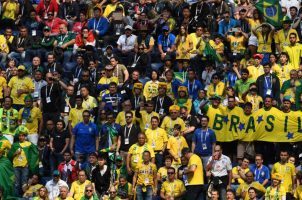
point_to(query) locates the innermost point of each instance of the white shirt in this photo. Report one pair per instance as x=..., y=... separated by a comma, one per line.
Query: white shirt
x=54, y=188
x=127, y=43
x=221, y=167
x=289, y=3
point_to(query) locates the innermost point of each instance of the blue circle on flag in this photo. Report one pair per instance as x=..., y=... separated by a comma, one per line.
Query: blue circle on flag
x=271, y=11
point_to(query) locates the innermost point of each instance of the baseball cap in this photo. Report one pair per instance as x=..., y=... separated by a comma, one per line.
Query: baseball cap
x=119, y=158
x=165, y=28
x=128, y=27
x=56, y=173
x=46, y=28
x=21, y=67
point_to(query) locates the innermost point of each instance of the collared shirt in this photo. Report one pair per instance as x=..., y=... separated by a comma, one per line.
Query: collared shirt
x=54, y=188
x=127, y=43
x=221, y=167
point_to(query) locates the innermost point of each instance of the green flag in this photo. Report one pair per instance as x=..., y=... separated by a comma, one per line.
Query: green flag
x=211, y=54
x=31, y=153
x=7, y=176
x=181, y=76
x=271, y=10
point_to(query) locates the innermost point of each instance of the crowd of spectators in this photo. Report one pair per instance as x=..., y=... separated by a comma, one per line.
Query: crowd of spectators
x=112, y=99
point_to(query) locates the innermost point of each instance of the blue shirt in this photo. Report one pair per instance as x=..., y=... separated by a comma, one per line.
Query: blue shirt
x=193, y=88
x=101, y=25
x=224, y=26
x=85, y=137
x=113, y=102
x=166, y=42
x=261, y=174
x=204, y=140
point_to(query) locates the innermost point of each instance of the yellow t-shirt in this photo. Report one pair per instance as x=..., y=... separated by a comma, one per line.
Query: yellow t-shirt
x=2, y=82
x=156, y=138
x=218, y=89
x=183, y=46
x=89, y=103
x=68, y=198
x=78, y=189
x=111, y=8
x=195, y=178
x=174, y=188
x=264, y=44
x=4, y=46
x=175, y=145
x=145, y=173
x=255, y=72
x=145, y=121
x=253, y=23
x=163, y=173
x=17, y=83
x=283, y=73
x=273, y=193
x=9, y=12
x=32, y=122
x=255, y=101
x=21, y=160
x=121, y=118
x=136, y=152
x=75, y=116
x=168, y=124
x=244, y=187
x=150, y=90
x=235, y=171
x=219, y=48
x=32, y=189
x=287, y=171
x=298, y=192
x=237, y=44
x=282, y=39
x=294, y=53
x=195, y=40
x=105, y=80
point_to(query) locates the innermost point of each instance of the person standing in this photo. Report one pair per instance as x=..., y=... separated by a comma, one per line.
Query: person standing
x=144, y=179
x=204, y=141
x=219, y=168
x=194, y=172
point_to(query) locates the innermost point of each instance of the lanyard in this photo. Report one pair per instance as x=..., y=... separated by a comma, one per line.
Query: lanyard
x=20, y=41
x=63, y=38
x=126, y=134
x=267, y=84
x=49, y=90
x=136, y=102
x=203, y=139
x=161, y=101
x=193, y=86
x=95, y=26
x=54, y=67
x=79, y=72
x=136, y=60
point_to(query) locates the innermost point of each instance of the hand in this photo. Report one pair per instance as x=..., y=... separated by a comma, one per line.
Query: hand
x=71, y=152
x=63, y=46
x=129, y=170
x=30, y=181
x=19, y=92
x=228, y=187
x=133, y=190
x=162, y=55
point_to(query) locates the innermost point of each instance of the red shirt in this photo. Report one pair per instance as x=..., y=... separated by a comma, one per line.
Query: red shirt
x=80, y=42
x=42, y=9
x=68, y=172
x=55, y=25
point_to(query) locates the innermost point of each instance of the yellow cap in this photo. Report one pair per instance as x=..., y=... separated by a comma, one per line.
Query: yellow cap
x=174, y=107
x=21, y=67
x=162, y=85
x=277, y=176
x=138, y=86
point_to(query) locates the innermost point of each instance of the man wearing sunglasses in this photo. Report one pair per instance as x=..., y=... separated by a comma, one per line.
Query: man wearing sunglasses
x=172, y=187
x=89, y=194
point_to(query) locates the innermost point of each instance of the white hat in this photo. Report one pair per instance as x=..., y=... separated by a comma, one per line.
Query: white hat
x=128, y=27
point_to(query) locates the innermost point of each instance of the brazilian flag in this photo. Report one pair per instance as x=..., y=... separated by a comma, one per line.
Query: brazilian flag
x=7, y=176
x=271, y=10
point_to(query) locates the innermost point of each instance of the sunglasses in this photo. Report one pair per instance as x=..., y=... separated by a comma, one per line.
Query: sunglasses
x=128, y=116
x=89, y=190
x=50, y=14
x=112, y=192
x=141, y=48
x=86, y=116
x=170, y=173
x=46, y=30
x=85, y=75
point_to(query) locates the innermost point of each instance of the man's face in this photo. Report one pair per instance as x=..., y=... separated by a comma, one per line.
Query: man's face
x=218, y=150
x=80, y=60
x=293, y=75
x=214, y=195
x=89, y=192
x=128, y=32
x=284, y=156
x=171, y=174
x=67, y=157
x=258, y=161
x=149, y=108
x=8, y=33
x=28, y=103
x=23, y=32
x=266, y=69
x=293, y=12
x=113, y=62
x=249, y=177
x=146, y=157
x=84, y=92
x=244, y=76
x=62, y=29
x=141, y=139
x=191, y=75
x=112, y=89
x=183, y=113
x=110, y=119
x=252, y=194
x=231, y=103
x=36, y=61
x=226, y=16
x=63, y=192
x=101, y=162
x=242, y=15
x=21, y=73
x=50, y=59
x=97, y=13
x=247, y=110
x=129, y=118
x=127, y=106
x=286, y=25
x=21, y=137
x=283, y=59
x=268, y=102
x=286, y=105
x=38, y=76
x=245, y=163
x=161, y=91
x=70, y=90
x=85, y=76
x=82, y=176
x=154, y=123
x=174, y=114
x=230, y=196
x=204, y=122
x=292, y=39
x=135, y=76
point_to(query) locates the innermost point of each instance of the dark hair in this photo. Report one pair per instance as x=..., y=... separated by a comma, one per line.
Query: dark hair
x=248, y=104
x=206, y=117
x=168, y=157
x=185, y=151
x=177, y=126
x=293, y=7
x=129, y=112
x=252, y=188
x=245, y=71
x=112, y=84
x=155, y=117
x=293, y=34
x=62, y=121
x=170, y=168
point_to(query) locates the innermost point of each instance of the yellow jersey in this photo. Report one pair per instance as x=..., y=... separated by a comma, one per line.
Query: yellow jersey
x=294, y=53
x=111, y=8
x=175, y=188
x=168, y=124
x=78, y=189
x=195, y=178
x=3, y=83
x=31, y=120
x=121, y=118
x=264, y=42
x=255, y=72
x=145, y=173
x=175, y=145
x=237, y=44
x=16, y=84
x=298, y=192
x=282, y=72
x=255, y=101
x=282, y=37
x=75, y=116
x=244, y=187
x=287, y=171
x=219, y=48
x=275, y=193
x=89, y=103
x=150, y=90
x=136, y=153
x=156, y=138
x=235, y=171
x=20, y=160
x=145, y=120
x=195, y=40
x=183, y=45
